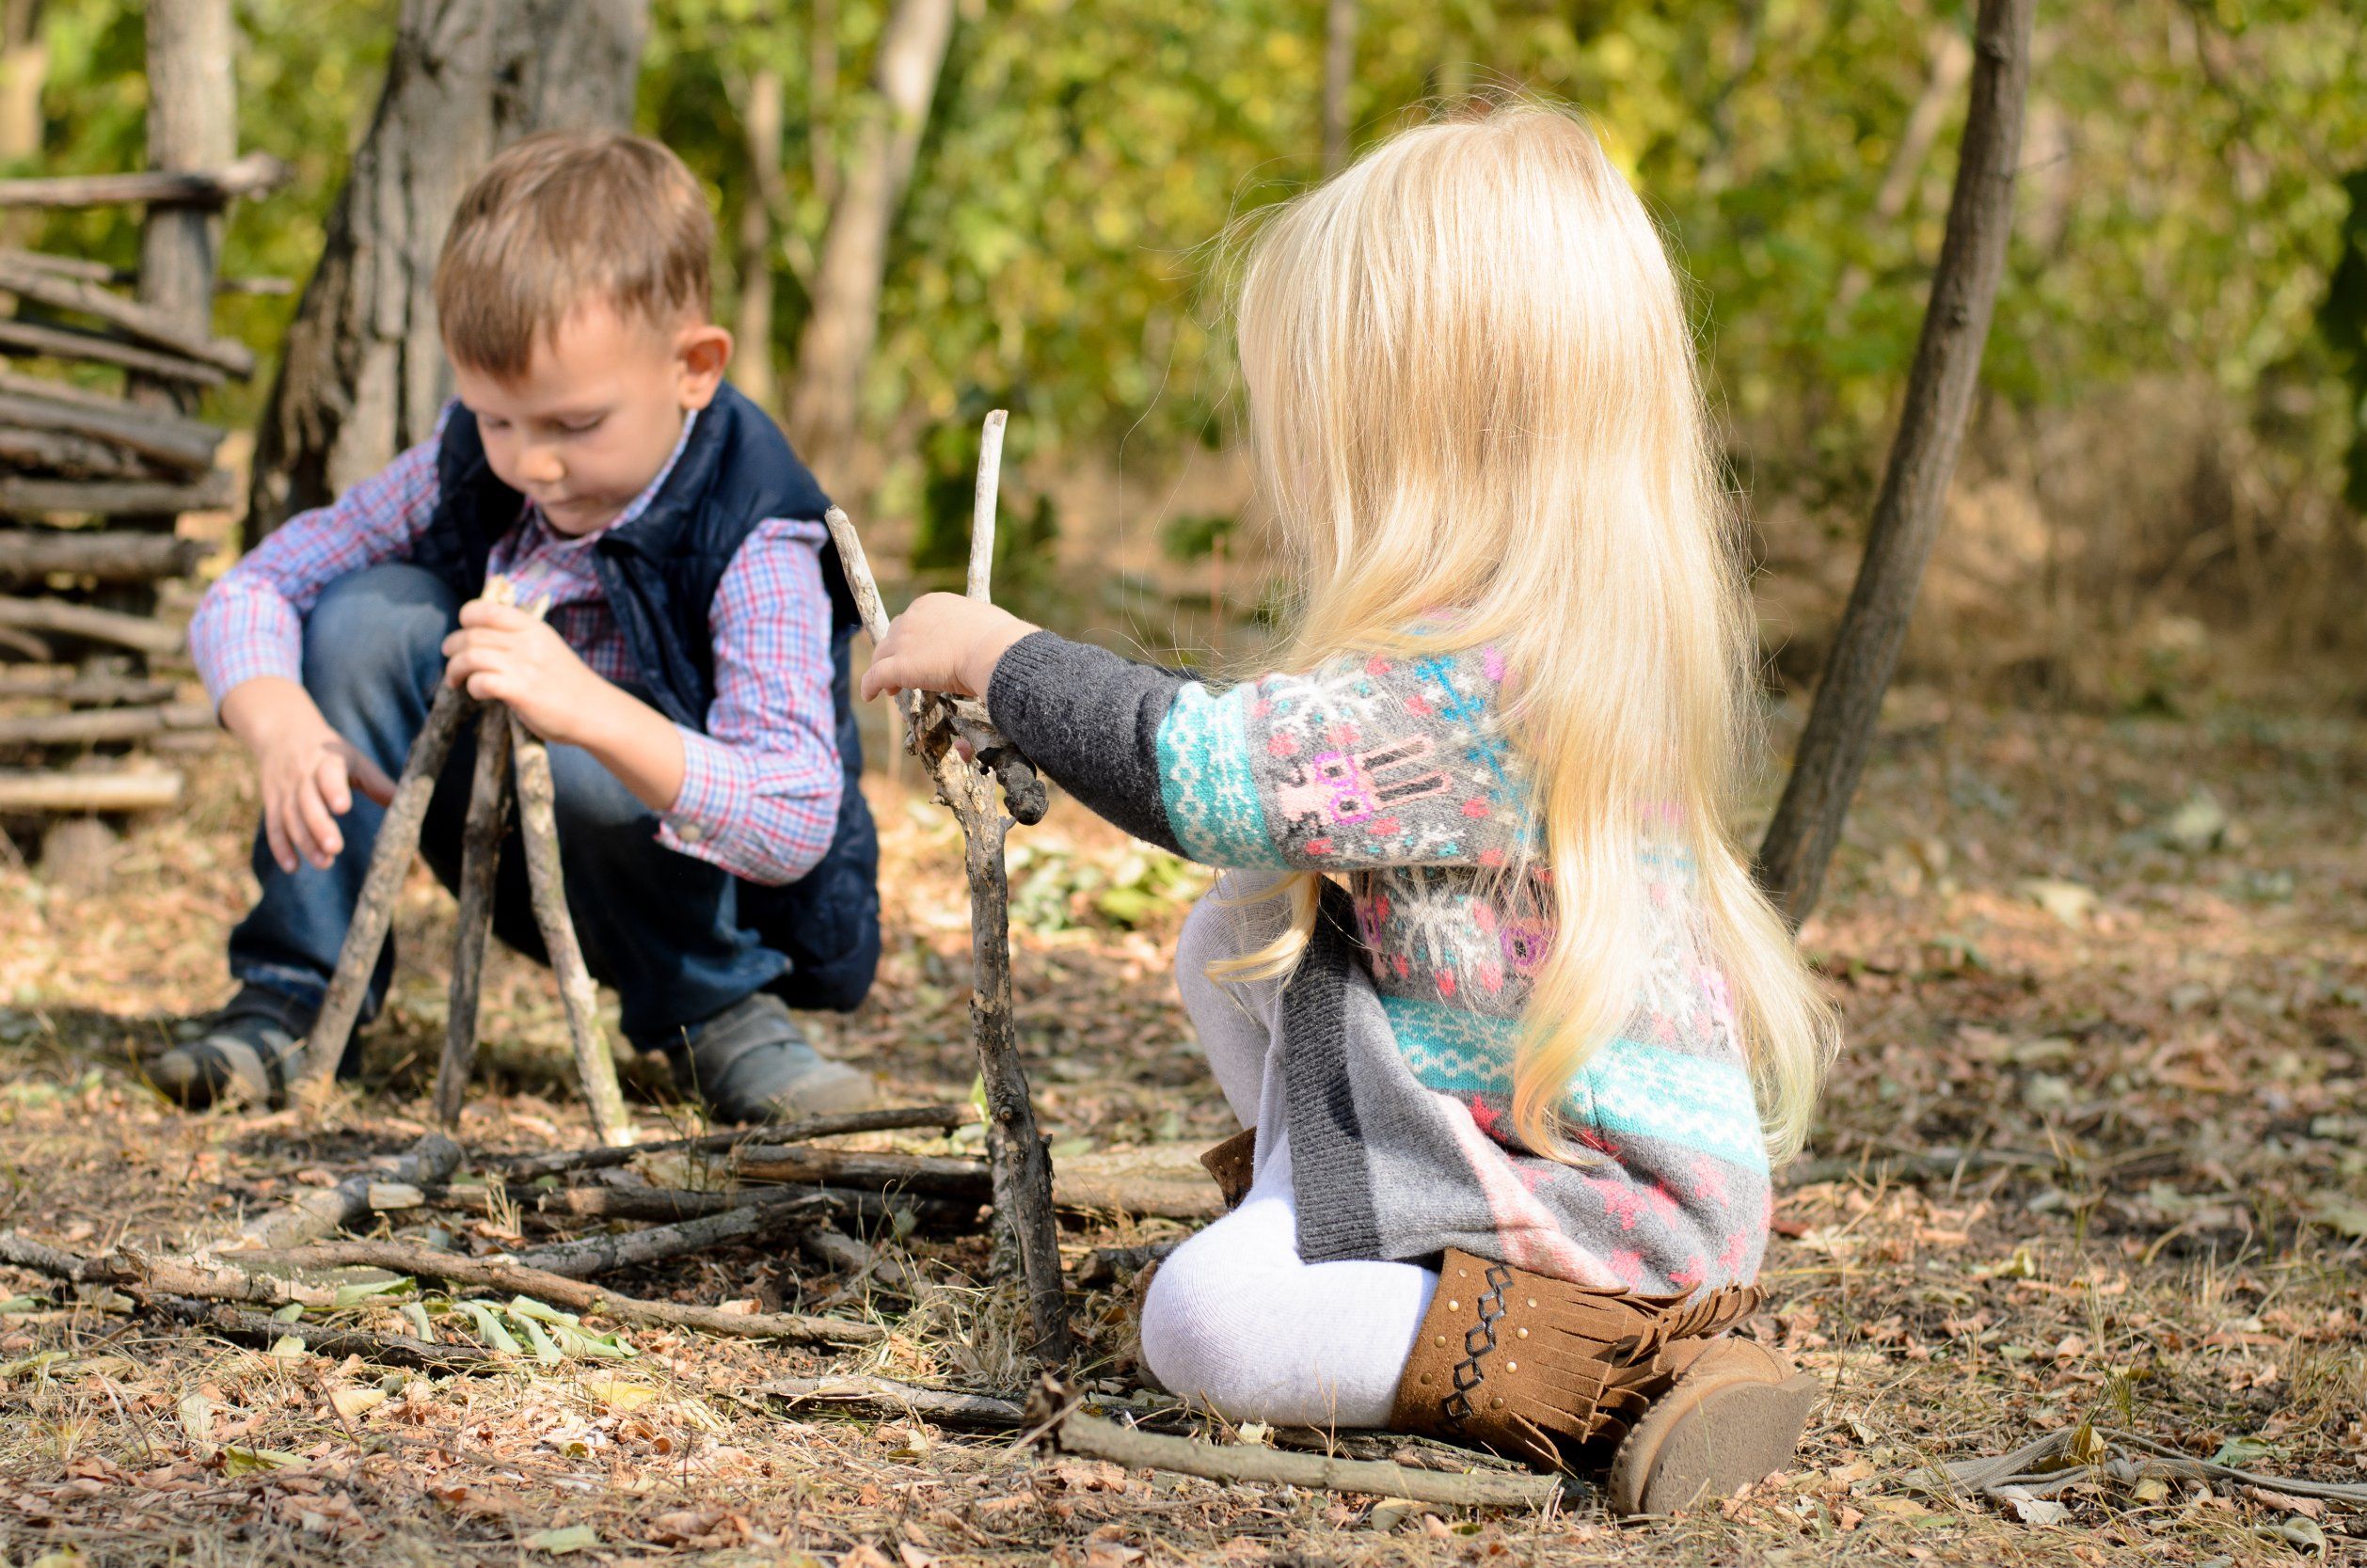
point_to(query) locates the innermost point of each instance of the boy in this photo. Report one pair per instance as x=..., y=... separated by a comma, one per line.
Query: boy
x=691, y=676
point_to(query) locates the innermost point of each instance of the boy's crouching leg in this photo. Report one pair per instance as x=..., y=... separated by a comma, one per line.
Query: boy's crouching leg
x=665, y=930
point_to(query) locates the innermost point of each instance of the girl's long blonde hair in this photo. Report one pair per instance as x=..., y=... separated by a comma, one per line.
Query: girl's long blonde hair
x=1472, y=386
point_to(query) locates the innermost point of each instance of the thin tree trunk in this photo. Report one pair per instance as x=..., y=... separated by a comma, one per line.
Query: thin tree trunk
x=192, y=124
x=362, y=375
x=835, y=346
x=1338, y=76
x=760, y=209
x=1840, y=731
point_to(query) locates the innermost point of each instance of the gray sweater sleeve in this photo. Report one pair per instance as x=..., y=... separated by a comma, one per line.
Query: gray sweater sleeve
x=1090, y=721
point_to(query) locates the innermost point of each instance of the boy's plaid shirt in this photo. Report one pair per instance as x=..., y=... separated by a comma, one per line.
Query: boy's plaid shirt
x=760, y=788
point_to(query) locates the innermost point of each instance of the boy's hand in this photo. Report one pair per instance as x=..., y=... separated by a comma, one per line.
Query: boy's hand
x=942, y=643
x=501, y=653
x=308, y=770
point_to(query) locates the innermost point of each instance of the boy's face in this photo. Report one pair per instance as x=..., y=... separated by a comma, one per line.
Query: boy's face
x=597, y=412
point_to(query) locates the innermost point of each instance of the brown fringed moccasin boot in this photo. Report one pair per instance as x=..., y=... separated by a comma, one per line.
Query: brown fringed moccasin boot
x=1572, y=1378
x=1230, y=1165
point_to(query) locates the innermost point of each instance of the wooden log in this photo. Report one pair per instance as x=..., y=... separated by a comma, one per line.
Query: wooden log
x=592, y=1256
x=406, y=1258
x=65, y=684
x=95, y=625
x=185, y=432
x=389, y=860
x=666, y=1205
x=1022, y=1167
x=323, y=1212
x=1255, y=1465
x=529, y=1168
x=538, y=822
x=31, y=339
x=938, y=1174
x=110, y=555
x=73, y=456
x=480, y=859
x=149, y=789
x=99, y=272
x=182, y=444
x=94, y=725
x=34, y=498
x=147, y=324
x=252, y=175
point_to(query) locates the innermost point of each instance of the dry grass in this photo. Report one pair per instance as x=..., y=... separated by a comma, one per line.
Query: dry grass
x=2153, y=1035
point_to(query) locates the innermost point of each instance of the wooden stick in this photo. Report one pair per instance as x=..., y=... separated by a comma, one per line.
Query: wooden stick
x=877, y=1396
x=145, y=789
x=591, y=1256
x=99, y=272
x=1079, y=1434
x=251, y=175
x=100, y=724
x=326, y=1212
x=538, y=820
x=983, y=505
x=65, y=683
x=373, y=910
x=941, y=1175
x=109, y=555
x=528, y=1167
x=147, y=324
x=480, y=859
x=34, y=498
x=39, y=339
x=95, y=625
x=60, y=451
x=406, y=1258
x=391, y=1349
x=1019, y=1166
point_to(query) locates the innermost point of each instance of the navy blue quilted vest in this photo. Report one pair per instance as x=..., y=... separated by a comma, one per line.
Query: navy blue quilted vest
x=659, y=573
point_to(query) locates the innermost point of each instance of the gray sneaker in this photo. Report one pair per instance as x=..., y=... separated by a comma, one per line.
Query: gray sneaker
x=750, y=1062
x=247, y=1052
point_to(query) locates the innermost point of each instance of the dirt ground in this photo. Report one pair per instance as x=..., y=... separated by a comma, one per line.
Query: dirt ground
x=2096, y=1155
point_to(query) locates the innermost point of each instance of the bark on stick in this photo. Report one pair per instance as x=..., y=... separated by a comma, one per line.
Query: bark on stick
x=1800, y=840
x=374, y=912
x=538, y=820
x=480, y=859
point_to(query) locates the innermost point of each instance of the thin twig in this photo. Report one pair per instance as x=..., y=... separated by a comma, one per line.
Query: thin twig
x=879, y=1398
x=528, y=1167
x=592, y=1256
x=324, y=1212
x=983, y=505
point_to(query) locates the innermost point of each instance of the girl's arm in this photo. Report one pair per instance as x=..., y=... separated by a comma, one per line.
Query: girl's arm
x=1360, y=762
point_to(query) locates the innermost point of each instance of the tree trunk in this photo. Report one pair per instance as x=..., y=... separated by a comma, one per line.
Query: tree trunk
x=23, y=70
x=363, y=373
x=192, y=124
x=835, y=346
x=760, y=209
x=1338, y=76
x=1840, y=731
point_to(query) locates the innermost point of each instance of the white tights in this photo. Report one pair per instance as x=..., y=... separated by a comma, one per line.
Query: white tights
x=1236, y=1320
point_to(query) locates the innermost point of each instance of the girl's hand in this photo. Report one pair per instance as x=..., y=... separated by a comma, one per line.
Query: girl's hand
x=500, y=653
x=942, y=643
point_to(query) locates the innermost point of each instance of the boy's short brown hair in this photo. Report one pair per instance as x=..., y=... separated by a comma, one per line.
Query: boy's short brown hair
x=565, y=217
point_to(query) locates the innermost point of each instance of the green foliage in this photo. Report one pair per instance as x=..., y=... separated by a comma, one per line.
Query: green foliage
x=2343, y=319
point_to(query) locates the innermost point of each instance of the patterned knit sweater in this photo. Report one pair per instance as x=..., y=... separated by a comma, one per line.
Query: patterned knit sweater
x=1395, y=775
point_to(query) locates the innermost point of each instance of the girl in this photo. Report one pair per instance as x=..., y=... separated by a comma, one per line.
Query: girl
x=1514, y=1031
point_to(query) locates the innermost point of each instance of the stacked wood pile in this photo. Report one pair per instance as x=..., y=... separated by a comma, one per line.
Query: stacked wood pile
x=100, y=453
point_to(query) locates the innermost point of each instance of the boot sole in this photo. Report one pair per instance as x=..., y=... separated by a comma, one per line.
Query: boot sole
x=1705, y=1440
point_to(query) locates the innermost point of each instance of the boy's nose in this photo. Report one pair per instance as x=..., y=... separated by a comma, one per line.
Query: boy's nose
x=541, y=466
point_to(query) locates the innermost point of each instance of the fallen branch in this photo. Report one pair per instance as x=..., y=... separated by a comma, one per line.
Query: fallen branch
x=1073, y=1432
x=528, y=1167
x=392, y=1350
x=879, y=1397
x=592, y=1256
x=411, y=1260
x=2036, y=1469
x=324, y=1212
x=664, y=1205
x=1108, y=1265
x=940, y=1175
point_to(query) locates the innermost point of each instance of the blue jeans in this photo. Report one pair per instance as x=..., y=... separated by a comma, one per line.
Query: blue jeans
x=664, y=929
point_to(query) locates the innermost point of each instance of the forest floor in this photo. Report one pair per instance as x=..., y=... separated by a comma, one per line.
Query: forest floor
x=2096, y=1153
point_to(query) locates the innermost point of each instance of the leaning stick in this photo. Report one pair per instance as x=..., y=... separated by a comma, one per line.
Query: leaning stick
x=537, y=814
x=1021, y=1168
x=374, y=912
x=480, y=859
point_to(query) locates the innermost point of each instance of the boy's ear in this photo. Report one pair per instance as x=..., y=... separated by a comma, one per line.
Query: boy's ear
x=701, y=354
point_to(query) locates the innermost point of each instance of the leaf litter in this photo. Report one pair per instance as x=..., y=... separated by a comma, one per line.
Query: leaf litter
x=2093, y=1159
